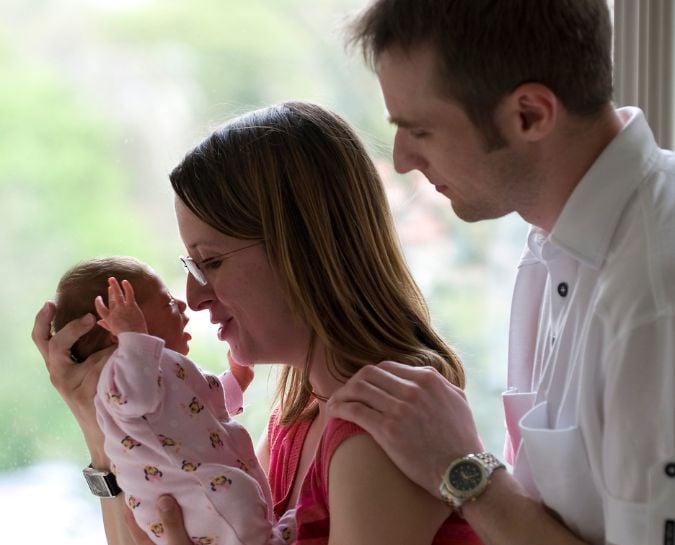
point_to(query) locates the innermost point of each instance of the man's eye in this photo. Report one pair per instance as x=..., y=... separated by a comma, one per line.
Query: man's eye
x=416, y=133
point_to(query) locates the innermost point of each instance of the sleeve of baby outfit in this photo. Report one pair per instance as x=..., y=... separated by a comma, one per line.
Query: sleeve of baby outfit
x=234, y=397
x=131, y=381
x=638, y=451
x=285, y=531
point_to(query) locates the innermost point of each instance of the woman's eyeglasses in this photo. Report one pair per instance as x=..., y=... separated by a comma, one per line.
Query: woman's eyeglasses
x=195, y=269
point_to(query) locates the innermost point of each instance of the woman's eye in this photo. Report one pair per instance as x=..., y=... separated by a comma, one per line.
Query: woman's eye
x=211, y=264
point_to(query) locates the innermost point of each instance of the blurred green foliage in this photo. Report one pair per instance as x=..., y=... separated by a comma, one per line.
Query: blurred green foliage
x=99, y=100
x=61, y=191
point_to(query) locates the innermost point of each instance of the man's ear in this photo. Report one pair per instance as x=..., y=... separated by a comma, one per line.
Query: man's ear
x=529, y=113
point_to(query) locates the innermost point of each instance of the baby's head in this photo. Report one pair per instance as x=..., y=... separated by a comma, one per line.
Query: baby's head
x=80, y=285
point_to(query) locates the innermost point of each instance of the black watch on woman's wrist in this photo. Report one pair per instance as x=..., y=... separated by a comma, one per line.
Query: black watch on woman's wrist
x=101, y=483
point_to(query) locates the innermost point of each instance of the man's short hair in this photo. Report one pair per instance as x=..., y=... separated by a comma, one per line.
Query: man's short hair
x=487, y=48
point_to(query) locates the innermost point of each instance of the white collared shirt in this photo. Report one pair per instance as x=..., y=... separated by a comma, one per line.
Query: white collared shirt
x=590, y=409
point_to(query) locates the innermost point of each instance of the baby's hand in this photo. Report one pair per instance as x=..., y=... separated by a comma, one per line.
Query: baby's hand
x=122, y=313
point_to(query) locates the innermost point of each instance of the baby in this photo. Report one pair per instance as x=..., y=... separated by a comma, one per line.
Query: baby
x=166, y=422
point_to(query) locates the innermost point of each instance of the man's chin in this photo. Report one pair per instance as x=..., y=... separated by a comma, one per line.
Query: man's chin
x=472, y=214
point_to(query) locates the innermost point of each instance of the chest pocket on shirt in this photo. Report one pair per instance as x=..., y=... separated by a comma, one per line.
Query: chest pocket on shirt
x=651, y=522
x=562, y=473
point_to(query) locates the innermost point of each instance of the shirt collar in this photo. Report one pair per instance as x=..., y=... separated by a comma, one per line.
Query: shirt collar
x=590, y=216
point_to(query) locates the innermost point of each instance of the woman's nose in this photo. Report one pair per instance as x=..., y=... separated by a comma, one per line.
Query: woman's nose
x=198, y=296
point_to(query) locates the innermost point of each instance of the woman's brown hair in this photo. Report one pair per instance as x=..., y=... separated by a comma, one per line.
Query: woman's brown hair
x=297, y=177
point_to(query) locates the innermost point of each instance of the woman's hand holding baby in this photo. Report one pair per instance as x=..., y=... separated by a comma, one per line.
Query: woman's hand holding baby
x=75, y=382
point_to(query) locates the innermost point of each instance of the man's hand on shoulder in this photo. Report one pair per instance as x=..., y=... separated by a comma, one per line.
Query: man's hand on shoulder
x=418, y=418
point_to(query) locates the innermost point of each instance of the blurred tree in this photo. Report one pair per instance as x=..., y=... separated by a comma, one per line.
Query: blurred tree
x=99, y=99
x=62, y=190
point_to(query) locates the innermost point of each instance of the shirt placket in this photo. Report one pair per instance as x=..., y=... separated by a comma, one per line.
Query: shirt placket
x=562, y=276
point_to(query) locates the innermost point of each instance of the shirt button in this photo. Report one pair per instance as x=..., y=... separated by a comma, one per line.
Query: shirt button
x=563, y=288
x=670, y=469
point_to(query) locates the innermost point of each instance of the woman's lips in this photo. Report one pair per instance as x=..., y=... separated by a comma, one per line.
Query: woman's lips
x=222, y=330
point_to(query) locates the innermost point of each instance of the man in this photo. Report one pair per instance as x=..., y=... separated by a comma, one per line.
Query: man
x=505, y=106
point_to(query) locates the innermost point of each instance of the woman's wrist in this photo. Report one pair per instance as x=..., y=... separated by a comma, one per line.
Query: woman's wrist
x=93, y=437
x=94, y=441
x=99, y=460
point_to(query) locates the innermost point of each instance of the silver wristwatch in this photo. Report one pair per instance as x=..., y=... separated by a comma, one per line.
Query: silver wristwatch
x=101, y=483
x=467, y=478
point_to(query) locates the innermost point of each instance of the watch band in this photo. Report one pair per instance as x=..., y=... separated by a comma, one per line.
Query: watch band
x=490, y=461
x=467, y=478
x=101, y=483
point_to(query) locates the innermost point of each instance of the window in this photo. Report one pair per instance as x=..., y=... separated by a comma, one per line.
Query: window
x=101, y=98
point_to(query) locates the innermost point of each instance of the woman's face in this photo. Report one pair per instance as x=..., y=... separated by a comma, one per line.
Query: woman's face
x=243, y=296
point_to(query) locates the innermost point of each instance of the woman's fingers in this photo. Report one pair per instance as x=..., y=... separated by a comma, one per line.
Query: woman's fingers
x=138, y=535
x=172, y=519
x=56, y=350
x=42, y=328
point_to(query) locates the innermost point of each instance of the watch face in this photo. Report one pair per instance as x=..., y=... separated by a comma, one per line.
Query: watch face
x=101, y=484
x=97, y=484
x=465, y=476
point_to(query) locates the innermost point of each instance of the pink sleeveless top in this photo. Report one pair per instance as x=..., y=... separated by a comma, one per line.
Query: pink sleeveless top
x=312, y=515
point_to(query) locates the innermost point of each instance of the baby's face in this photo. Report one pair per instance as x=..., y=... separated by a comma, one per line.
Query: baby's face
x=165, y=316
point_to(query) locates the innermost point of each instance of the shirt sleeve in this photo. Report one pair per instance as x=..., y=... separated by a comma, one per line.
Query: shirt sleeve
x=130, y=383
x=638, y=451
x=234, y=397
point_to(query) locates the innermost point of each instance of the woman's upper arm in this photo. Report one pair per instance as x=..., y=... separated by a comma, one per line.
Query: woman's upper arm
x=372, y=502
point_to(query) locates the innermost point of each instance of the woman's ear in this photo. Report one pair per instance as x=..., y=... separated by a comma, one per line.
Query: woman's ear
x=529, y=113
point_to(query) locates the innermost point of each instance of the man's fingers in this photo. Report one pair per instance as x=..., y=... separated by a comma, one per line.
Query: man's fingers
x=406, y=372
x=363, y=415
x=367, y=389
x=423, y=376
x=172, y=520
x=381, y=386
x=374, y=399
x=42, y=328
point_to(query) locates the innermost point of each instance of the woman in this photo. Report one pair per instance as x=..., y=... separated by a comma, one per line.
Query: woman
x=312, y=278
